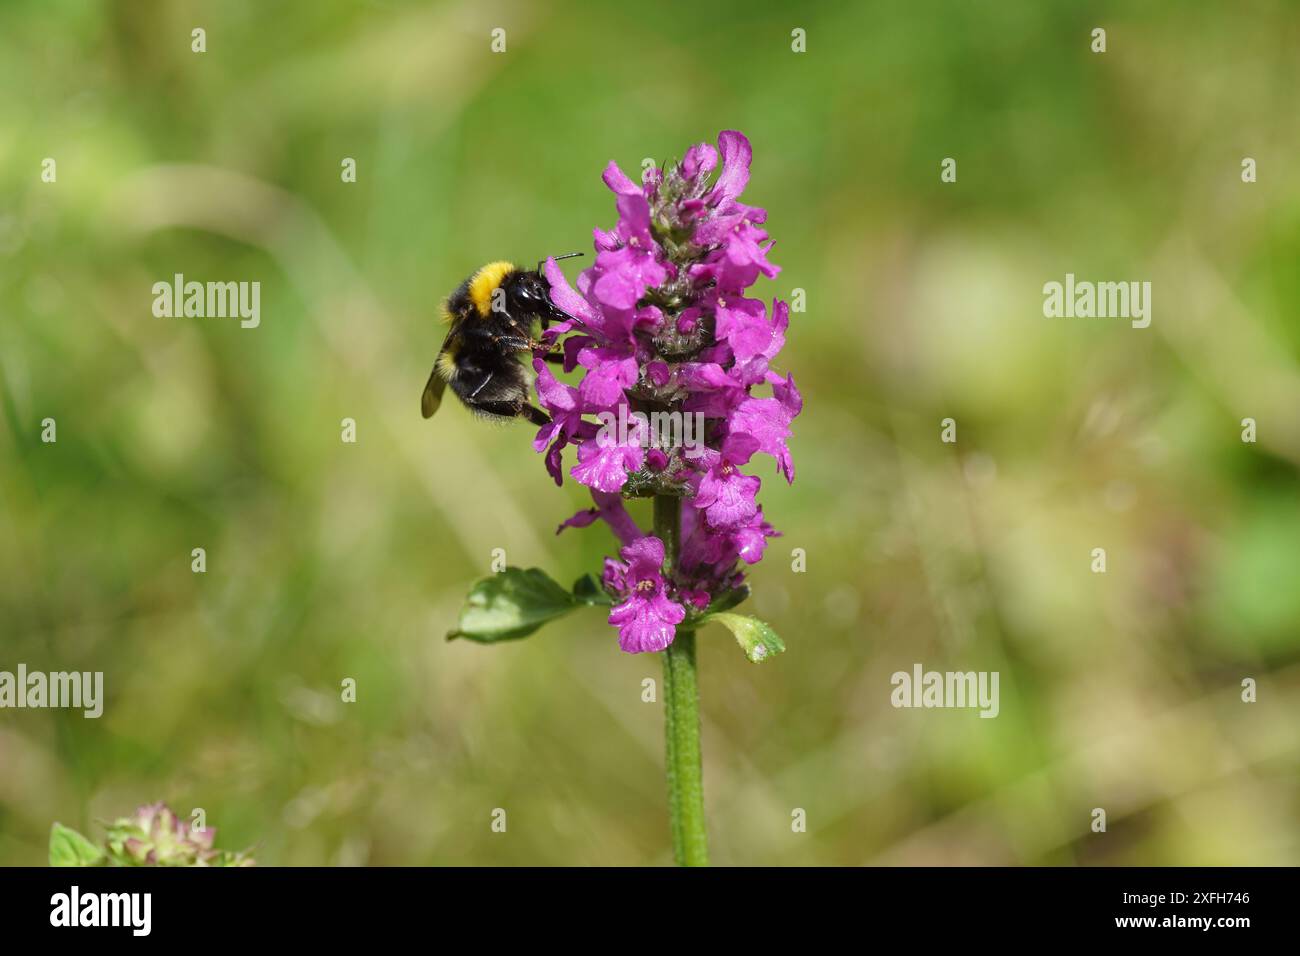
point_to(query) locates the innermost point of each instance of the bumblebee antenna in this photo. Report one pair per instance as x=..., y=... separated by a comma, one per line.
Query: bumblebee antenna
x=567, y=255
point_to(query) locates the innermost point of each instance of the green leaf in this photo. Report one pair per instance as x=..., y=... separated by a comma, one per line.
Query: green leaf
x=511, y=605
x=755, y=637
x=728, y=600
x=587, y=591
x=70, y=848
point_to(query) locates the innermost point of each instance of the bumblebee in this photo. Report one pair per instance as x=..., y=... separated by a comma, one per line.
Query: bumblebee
x=490, y=318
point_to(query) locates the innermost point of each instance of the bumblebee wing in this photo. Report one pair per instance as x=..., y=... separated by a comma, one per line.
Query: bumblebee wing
x=433, y=390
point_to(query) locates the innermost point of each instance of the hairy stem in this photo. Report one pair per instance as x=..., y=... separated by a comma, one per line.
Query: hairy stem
x=681, y=716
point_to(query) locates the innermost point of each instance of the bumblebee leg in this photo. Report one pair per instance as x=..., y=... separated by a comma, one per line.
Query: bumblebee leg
x=515, y=343
x=535, y=415
x=511, y=342
x=551, y=351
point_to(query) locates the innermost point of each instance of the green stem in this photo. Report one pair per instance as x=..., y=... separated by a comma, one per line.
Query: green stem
x=681, y=716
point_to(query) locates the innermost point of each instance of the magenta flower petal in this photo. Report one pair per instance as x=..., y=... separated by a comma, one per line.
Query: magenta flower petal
x=736, y=156
x=610, y=507
x=618, y=289
x=618, y=181
x=738, y=448
x=582, y=519
x=727, y=496
x=647, y=619
x=634, y=221
x=554, y=461
x=700, y=160
x=704, y=376
x=614, y=577
x=736, y=315
x=768, y=421
x=605, y=467
x=610, y=371
x=565, y=299
x=645, y=626
x=645, y=557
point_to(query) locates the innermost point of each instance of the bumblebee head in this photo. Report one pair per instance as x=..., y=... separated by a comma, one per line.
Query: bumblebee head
x=528, y=293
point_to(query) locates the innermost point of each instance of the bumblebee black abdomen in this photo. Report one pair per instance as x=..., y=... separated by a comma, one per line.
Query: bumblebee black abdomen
x=489, y=383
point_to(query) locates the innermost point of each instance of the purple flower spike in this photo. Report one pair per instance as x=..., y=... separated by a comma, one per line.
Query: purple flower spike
x=664, y=327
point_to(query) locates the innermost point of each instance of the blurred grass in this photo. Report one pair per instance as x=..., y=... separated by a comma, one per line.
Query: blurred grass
x=328, y=560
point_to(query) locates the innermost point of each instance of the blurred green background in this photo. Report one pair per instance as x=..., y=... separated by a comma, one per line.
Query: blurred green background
x=328, y=560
